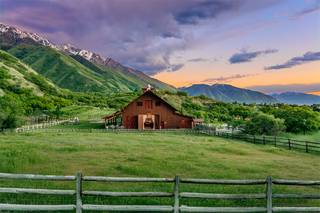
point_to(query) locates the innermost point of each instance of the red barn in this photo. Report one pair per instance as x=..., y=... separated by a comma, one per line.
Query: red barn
x=149, y=111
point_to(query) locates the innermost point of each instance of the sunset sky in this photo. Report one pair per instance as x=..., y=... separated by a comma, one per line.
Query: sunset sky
x=267, y=45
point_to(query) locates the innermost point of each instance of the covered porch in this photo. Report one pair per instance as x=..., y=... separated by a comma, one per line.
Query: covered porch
x=115, y=119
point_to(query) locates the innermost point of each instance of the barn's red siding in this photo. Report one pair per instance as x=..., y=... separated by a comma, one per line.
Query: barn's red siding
x=164, y=116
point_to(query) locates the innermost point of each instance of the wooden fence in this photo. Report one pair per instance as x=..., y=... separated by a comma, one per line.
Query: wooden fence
x=43, y=125
x=176, y=194
x=291, y=144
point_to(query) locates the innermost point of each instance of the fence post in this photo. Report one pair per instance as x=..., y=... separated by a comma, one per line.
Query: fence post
x=275, y=140
x=254, y=139
x=269, y=194
x=78, y=192
x=176, y=208
x=289, y=143
x=264, y=140
x=307, y=147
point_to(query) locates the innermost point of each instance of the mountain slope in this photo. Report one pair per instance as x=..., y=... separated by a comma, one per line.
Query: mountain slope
x=110, y=65
x=73, y=68
x=228, y=93
x=297, y=98
x=61, y=69
x=16, y=76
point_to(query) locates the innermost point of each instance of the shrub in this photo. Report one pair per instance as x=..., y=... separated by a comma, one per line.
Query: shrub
x=299, y=119
x=10, y=113
x=262, y=123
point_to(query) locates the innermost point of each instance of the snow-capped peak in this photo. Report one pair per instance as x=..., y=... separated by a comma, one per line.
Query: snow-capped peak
x=4, y=28
x=17, y=36
x=90, y=56
x=70, y=49
x=17, y=33
x=86, y=54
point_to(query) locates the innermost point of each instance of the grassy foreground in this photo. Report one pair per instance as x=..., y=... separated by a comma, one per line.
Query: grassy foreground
x=151, y=155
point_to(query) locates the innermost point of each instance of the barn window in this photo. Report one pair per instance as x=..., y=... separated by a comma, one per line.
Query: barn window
x=158, y=103
x=148, y=104
x=139, y=103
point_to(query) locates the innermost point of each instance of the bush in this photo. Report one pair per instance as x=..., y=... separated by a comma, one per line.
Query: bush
x=262, y=123
x=10, y=113
x=299, y=119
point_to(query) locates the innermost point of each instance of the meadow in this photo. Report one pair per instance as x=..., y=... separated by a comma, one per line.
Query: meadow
x=151, y=155
x=310, y=136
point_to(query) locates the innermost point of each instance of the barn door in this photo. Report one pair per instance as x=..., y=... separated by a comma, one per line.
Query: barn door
x=157, y=121
x=134, y=122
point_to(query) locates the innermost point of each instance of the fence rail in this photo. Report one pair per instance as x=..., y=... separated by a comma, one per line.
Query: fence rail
x=176, y=194
x=291, y=144
x=33, y=127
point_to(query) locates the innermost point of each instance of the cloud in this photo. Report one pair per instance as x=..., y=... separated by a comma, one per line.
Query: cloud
x=204, y=10
x=175, y=67
x=276, y=88
x=143, y=34
x=245, y=56
x=314, y=8
x=225, y=79
x=197, y=60
x=307, y=57
x=153, y=66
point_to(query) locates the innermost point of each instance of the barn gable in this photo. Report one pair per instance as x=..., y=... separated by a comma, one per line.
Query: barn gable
x=150, y=111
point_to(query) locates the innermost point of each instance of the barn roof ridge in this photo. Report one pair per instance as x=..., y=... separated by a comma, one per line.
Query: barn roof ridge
x=148, y=90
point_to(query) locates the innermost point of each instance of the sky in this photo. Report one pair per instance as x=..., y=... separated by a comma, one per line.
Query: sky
x=266, y=45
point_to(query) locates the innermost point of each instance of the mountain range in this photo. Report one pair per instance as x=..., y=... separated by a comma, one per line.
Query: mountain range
x=297, y=98
x=71, y=67
x=228, y=93
x=34, y=62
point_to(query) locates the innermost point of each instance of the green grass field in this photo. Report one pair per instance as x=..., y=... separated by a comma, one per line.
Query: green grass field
x=313, y=136
x=150, y=155
x=86, y=113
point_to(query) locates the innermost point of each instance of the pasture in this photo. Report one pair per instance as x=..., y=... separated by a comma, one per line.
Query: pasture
x=311, y=136
x=150, y=155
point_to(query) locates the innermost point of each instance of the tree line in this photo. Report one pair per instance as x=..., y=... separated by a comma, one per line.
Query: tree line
x=257, y=119
x=18, y=104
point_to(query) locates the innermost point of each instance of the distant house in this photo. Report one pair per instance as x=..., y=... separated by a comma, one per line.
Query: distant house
x=149, y=111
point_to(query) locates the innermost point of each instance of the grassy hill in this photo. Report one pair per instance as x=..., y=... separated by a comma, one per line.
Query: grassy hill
x=151, y=155
x=15, y=74
x=78, y=74
x=61, y=69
